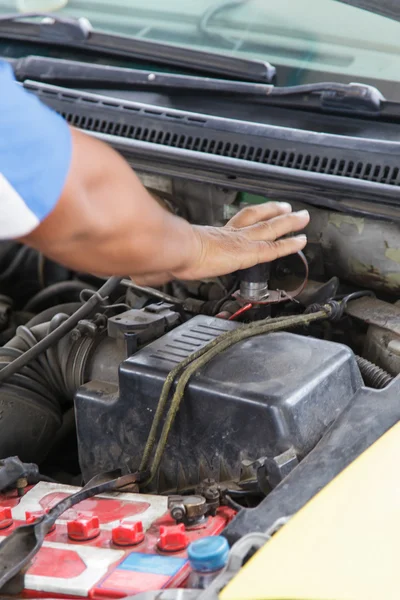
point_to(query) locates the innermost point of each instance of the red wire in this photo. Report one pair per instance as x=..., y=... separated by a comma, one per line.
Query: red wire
x=239, y=312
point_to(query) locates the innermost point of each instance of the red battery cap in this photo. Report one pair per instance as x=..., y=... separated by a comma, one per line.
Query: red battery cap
x=84, y=528
x=33, y=515
x=128, y=533
x=172, y=538
x=5, y=517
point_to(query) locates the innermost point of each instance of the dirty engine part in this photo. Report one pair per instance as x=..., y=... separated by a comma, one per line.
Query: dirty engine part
x=237, y=408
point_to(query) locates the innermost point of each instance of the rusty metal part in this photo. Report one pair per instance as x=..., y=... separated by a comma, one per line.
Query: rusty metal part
x=190, y=510
x=278, y=296
x=211, y=491
x=363, y=251
x=376, y=312
x=383, y=348
x=382, y=341
x=21, y=484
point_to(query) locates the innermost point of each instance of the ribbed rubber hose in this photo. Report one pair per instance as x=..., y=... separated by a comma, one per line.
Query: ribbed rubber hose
x=374, y=376
x=57, y=333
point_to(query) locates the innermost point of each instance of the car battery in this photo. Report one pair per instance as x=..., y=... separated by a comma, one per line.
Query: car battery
x=109, y=546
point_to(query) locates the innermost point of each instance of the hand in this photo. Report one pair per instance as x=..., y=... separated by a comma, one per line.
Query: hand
x=251, y=237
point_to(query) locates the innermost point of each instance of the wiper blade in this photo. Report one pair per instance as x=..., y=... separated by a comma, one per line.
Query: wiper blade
x=76, y=29
x=78, y=34
x=384, y=8
x=335, y=97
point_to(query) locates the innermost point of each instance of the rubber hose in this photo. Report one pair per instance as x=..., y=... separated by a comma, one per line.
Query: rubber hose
x=374, y=376
x=55, y=335
x=32, y=399
x=17, y=261
x=49, y=313
x=57, y=289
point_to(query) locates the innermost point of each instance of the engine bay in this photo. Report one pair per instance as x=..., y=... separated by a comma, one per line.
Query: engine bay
x=218, y=392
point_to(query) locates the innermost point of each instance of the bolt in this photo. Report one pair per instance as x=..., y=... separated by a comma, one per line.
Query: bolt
x=21, y=484
x=394, y=347
x=75, y=335
x=178, y=513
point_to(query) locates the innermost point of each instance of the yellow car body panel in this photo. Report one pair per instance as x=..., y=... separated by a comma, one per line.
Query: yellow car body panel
x=343, y=545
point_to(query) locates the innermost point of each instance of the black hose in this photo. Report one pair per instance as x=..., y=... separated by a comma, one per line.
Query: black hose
x=339, y=304
x=232, y=504
x=374, y=376
x=63, y=329
x=354, y=296
x=56, y=289
x=46, y=315
x=15, y=263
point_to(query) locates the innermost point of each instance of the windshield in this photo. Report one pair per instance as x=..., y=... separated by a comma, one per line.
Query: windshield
x=310, y=40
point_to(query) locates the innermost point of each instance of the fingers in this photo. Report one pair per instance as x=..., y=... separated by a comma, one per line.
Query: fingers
x=257, y=213
x=153, y=280
x=285, y=247
x=261, y=252
x=278, y=226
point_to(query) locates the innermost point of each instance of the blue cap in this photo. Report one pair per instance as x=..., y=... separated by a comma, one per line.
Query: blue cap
x=208, y=554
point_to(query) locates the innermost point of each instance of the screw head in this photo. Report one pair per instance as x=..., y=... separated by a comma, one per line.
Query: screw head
x=177, y=513
x=75, y=335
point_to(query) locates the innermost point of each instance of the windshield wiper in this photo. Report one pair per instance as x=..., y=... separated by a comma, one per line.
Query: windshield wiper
x=384, y=8
x=335, y=97
x=78, y=34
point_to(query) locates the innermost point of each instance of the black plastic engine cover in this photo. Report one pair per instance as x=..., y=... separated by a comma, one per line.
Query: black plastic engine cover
x=259, y=398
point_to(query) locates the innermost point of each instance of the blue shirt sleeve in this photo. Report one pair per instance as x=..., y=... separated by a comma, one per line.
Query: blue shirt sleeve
x=35, y=154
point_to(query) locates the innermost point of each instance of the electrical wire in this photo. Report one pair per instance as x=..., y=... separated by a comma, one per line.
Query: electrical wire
x=232, y=504
x=241, y=311
x=344, y=300
x=59, y=332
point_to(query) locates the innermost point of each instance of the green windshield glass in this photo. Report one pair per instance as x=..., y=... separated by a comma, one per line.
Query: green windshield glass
x=324, y=38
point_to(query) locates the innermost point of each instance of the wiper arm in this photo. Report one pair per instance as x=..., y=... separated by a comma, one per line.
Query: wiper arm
x=335, y=97
x=78, y=34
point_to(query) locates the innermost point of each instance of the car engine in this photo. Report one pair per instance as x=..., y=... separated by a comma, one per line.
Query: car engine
x=215, y=391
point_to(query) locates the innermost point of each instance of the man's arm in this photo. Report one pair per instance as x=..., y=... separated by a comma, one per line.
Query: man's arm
x=77, y=200
x=107, y=223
